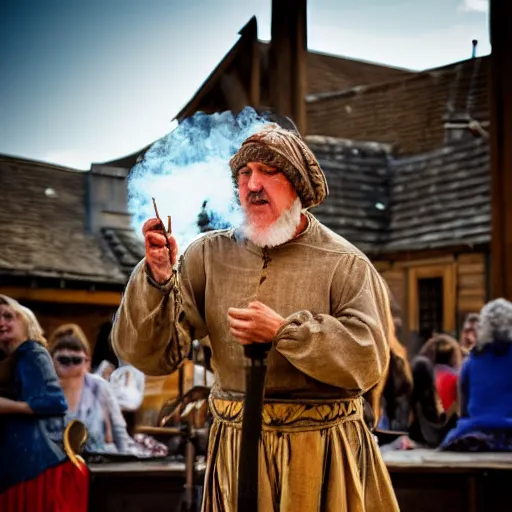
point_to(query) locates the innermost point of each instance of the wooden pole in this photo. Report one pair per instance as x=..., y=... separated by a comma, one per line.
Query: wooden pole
x=501, y=148
x=255, y=52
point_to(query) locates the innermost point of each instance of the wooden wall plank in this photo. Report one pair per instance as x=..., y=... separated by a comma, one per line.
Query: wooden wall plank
x=472, y=284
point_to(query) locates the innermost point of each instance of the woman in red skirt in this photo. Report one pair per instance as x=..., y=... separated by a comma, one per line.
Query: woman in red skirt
x=35, y=474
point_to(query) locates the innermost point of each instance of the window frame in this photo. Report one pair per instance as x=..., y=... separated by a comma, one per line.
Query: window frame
x=447, y=272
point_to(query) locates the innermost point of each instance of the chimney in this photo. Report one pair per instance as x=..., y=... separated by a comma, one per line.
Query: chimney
x=475, y=44
x=107, y=198
x=287, y=74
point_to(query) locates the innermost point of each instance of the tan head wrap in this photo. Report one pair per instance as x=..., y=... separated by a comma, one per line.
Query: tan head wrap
x=283, y=149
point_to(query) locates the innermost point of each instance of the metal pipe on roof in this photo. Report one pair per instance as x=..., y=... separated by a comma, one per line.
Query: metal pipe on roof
x=475, y=44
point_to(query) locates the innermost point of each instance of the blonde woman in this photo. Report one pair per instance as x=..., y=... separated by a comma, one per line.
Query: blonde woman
x=35, y=473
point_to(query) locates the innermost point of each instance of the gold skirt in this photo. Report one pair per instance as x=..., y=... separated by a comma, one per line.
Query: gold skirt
x=313, y=457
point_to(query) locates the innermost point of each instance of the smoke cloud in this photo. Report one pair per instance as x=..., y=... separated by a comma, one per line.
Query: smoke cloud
x=188, y=167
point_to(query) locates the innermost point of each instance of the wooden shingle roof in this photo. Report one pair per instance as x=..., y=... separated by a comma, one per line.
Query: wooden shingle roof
x=409, y=113
x=358, y=177
x=441, y=198
x=380, y=201
x=43, y=225
x=384, y=203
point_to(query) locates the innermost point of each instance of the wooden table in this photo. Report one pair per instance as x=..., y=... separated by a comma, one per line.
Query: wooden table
x=424, y=481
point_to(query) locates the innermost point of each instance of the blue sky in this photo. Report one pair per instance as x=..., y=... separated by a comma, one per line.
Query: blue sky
x=94, y=80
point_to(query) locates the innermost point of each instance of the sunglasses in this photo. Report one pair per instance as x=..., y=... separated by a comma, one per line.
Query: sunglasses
x=70, y=360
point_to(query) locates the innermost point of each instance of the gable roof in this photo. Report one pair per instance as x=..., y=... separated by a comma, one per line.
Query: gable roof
x=127, y=161
x=410, y=112
x=43, y=225
x=248, y=33
x=325, y=72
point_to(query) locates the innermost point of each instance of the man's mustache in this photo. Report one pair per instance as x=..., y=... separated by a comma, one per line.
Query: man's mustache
x=254, y=197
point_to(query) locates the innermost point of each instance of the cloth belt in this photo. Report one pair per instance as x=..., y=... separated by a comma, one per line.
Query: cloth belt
x=293, y=416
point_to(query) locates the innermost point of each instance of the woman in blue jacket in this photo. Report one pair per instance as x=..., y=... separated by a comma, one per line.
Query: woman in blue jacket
x=486, y=386
x=35, y=473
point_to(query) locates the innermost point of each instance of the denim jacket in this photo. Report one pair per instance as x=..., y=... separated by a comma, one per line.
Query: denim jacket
x=26, y=449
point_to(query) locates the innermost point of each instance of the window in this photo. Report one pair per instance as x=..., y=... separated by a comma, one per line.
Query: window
x=432, y=299
x=430, y=304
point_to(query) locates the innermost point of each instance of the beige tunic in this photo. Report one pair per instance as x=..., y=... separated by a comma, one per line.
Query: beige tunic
x=335, y=340
x=333, y=346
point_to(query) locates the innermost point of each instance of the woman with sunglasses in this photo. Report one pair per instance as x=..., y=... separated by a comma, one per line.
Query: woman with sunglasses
x=35, y=473
x=89, y=397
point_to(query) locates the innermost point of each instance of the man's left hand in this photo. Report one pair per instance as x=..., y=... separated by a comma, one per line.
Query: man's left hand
x=256, y=323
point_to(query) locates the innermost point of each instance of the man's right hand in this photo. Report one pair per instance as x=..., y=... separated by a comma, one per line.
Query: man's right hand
x=157, y=254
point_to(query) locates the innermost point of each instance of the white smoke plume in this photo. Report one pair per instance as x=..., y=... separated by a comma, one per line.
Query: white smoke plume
x=189, y=166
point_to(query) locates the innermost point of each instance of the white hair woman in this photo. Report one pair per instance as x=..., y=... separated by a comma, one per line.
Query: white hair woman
x=486, y=387
x=35, y=473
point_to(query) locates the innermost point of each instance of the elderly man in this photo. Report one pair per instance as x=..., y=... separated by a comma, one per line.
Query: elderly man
x=281, y=277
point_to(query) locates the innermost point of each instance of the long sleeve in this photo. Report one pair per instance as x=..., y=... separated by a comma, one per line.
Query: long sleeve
x=464, y=390
x=117, y=421
x=154, y=325
x=349, y=348
x=38, y=382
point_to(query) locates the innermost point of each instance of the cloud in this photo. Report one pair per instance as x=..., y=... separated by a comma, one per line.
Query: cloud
x=75, y=159
x=114, y=143
x=421, y=50
x=474, y=6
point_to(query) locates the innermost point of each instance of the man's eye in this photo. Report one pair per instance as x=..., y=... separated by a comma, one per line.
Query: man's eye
x=271, y=171
x=244, y=172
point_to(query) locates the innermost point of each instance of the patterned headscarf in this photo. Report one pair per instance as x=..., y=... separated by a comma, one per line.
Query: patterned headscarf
x=280, y=148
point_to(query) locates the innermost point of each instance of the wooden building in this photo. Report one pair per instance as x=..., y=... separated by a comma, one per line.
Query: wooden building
x=429, y=233
x=434, y=221
x=68, y=245
x=406, y=155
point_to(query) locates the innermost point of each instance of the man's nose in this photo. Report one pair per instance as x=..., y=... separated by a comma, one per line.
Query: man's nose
x=254, y=183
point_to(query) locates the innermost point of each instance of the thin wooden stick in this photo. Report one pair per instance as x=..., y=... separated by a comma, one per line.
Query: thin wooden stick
x=166, y=232
x=158, y=215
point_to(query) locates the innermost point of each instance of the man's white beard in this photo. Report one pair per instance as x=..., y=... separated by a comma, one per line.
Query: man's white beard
x=281, y=231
